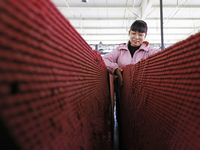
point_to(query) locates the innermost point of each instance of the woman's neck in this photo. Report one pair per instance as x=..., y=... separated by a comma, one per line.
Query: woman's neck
x=133, y=45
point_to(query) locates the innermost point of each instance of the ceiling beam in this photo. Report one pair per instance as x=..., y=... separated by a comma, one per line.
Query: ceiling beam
x=130, y=7
x=126, y=39
x=145, y=8
x=127, y=19
x=126, y=28
x=158, y=39
x=119, y=34
x=173, y=6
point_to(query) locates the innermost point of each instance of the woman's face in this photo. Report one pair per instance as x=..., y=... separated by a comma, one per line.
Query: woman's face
x=136, y=38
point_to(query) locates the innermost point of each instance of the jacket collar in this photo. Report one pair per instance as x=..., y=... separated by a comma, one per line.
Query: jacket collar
x=144, y=46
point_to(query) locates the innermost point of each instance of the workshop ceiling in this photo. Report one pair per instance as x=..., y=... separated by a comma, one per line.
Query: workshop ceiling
x=108, y=21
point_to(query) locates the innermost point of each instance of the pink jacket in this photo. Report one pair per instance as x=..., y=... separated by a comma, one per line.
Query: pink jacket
x=121, y=56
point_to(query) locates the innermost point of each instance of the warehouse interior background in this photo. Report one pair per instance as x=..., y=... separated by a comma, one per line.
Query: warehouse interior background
x=105, y=23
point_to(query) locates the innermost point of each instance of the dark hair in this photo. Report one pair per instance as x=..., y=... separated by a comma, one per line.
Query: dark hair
x=140, y=26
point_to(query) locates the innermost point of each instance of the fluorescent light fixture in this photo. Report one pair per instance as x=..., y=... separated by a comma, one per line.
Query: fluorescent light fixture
x=85, y=1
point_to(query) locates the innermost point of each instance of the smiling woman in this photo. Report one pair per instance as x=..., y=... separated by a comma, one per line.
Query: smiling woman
x=137, y=33
x=136, y=38
x=128, y=53
x=131, y=52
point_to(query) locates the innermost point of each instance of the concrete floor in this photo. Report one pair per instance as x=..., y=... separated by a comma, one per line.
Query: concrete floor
x=116, y=130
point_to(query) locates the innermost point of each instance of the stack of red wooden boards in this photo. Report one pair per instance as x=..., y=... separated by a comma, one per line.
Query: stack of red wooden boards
x=53, y=86
x=160, y=99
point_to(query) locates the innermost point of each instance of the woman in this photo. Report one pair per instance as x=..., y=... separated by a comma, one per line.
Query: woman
x=130, y=53
x=125, y=54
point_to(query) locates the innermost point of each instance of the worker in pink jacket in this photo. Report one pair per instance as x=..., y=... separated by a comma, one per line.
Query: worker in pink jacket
x=125, y=54
x=130, y=53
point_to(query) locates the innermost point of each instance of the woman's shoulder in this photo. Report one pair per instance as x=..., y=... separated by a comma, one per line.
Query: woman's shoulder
x=146, y=47
x=122, y=46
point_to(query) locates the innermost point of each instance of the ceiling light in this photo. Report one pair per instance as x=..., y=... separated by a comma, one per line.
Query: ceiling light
x=85, y=1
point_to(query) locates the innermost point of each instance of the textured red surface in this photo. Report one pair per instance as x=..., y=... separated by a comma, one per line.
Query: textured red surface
x=160, y=99
x=53, y=86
